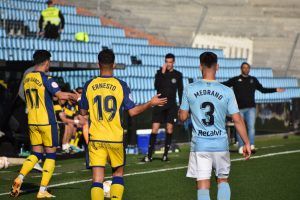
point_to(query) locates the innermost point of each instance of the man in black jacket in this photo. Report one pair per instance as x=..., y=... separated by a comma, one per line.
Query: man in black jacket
x=244, y=87
x=168, y=82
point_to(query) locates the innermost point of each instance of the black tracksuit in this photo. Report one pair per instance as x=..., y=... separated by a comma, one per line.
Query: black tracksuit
x=244, y=90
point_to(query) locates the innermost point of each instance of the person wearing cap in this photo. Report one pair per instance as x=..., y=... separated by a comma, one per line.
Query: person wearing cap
x=51, y=22
x=39, y=90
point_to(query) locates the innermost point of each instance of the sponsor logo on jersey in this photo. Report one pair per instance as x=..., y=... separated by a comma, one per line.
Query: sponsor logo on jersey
x=209, y=133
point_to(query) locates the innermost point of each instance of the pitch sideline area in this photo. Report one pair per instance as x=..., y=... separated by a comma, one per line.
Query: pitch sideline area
x=159, y=180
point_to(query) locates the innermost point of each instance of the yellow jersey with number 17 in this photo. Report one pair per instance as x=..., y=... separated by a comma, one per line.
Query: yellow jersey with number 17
x=105, y=97
x=38, y=90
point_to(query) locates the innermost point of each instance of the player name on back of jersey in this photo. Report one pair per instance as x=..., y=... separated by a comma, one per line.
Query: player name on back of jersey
x=34, y=80
x=109, y=86
x=208, y=92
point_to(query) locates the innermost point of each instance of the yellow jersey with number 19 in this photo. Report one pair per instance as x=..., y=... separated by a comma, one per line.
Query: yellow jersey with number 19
x=105, y=97
x=38, y=90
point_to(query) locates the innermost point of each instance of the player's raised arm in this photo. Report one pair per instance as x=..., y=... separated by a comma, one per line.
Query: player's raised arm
x=66, y=96
x=155, y=101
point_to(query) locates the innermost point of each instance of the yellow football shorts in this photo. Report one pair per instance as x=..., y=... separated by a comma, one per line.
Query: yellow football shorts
x=46, y=135
x=101, y=153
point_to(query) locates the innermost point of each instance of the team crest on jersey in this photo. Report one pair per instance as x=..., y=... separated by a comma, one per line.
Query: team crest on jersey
x=54, y=85
x=251, y=80
x=173, y=80
x=240, y=80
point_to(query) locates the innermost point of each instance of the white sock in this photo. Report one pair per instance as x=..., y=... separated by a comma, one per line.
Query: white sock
x=43, y=188
x=21, y=176
x=65, y=146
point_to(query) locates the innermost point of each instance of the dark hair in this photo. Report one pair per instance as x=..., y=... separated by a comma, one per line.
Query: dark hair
x=79, y=88
x=245, y=63
x=106, y=57
x=170, y=55
x=49, y=2
x=208, y=59
x=40, y=56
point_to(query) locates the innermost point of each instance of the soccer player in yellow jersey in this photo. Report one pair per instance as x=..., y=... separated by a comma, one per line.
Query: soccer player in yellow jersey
x=105, y=97
x=39, y=90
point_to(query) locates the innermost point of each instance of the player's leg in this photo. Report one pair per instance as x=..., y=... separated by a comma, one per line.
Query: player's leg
x=97, y=192
x=117, y=186
x=171, y=117
x=152, y=141
x=36, y=155
x=97, y=160
x=158, y=116
x=199, y=167
x=203, y=189
x=169, y=133
x=224, y=191
x=221, y=163
x=65, y=142
x=50, y=141
x=117, y=160
x=251, y=116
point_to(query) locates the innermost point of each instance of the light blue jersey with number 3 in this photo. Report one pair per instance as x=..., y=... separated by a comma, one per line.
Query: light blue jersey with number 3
x=209, y=102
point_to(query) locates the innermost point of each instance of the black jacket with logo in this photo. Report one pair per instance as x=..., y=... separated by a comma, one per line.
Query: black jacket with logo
x=244, y=90
x=168, y=84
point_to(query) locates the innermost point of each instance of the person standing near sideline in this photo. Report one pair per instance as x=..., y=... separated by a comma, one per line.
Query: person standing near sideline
x=168, y=82
x=244, y=87
x=51, y=22
x=208, y=102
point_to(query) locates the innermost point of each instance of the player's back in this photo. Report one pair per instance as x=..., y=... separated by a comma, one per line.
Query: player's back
x=209, y=102
x=104, y=98
x=38, y=90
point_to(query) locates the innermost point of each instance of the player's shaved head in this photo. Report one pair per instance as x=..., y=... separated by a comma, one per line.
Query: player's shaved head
x=106, y=58
x=208, y=59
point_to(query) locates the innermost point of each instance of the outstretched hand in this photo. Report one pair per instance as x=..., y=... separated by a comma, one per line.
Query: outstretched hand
x=280, y=89
x=73, y=97
x=77, y=94
x=156, y=101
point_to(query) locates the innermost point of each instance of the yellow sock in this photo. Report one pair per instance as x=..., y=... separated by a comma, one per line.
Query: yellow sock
x=97, y=192
x=48, y=170
x=77, y=138
x=29, y=164
x=72, y=142
x=117, y=188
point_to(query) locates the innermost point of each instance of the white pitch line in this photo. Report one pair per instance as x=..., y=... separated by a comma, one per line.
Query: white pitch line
x=168, y=169
x=268, y=147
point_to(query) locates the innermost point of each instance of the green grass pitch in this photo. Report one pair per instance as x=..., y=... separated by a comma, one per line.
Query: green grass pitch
x=270, y=175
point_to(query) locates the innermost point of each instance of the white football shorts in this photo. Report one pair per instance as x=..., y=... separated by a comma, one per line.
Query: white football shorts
x=202, y=163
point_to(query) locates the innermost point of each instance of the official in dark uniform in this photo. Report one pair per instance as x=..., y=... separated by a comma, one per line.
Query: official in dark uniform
x=168, y=82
